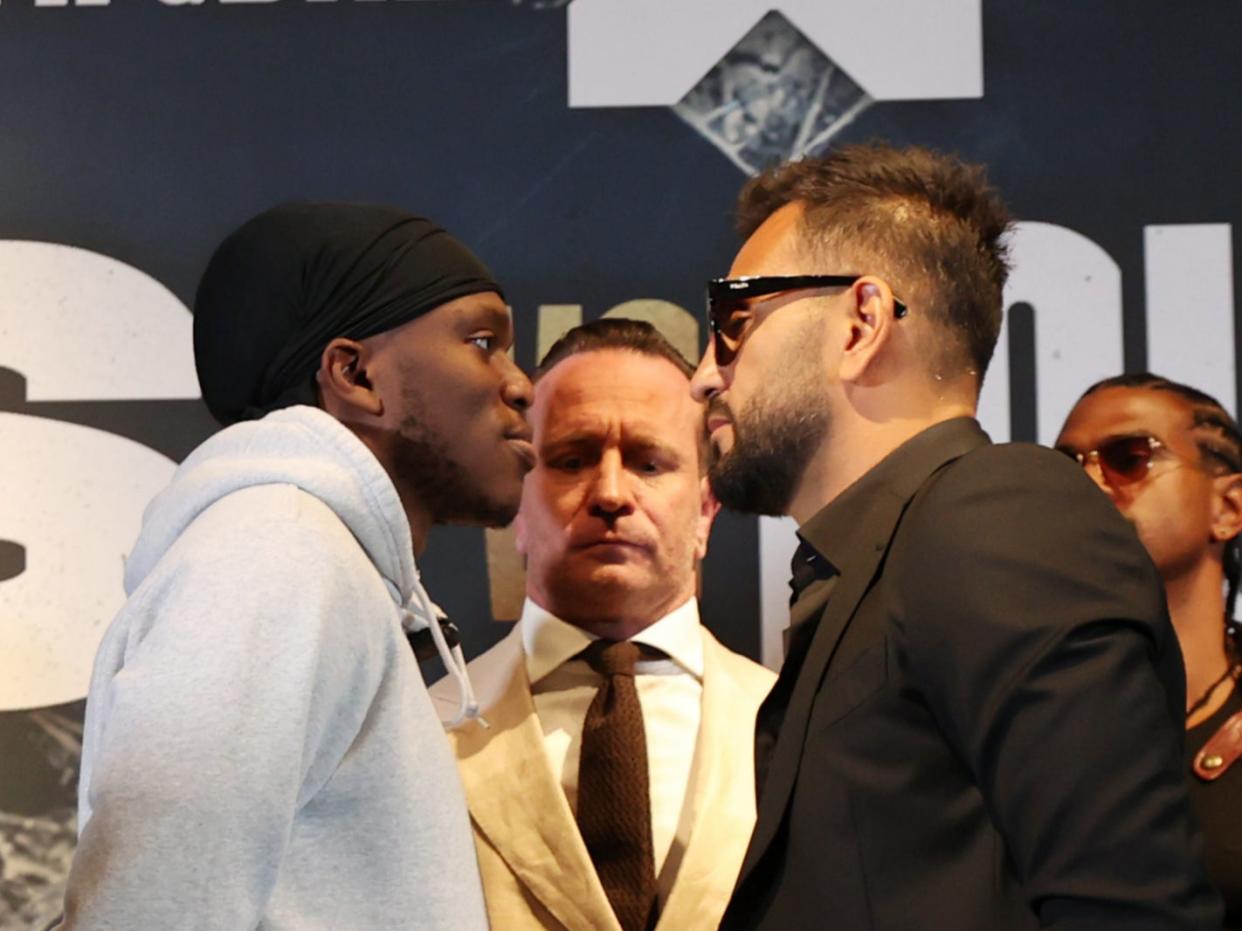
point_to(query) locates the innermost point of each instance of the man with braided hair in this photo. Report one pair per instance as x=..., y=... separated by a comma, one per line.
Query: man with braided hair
x=978, y=721
x=1170, y=458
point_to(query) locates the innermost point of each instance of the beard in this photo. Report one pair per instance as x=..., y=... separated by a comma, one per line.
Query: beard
x=442, y=484
x=774, y=438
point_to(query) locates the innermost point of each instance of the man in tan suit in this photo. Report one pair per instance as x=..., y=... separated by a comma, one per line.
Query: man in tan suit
x=612, y=788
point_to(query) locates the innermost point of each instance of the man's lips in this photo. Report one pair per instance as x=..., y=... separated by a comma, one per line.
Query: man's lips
x=607, y=542
x=520, y=442
x=718, y=415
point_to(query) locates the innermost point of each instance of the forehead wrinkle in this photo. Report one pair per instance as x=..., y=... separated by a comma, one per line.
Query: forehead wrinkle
x=594, y=388
x=618, y=424
x=608, y=390
x=590, y=428
x=620, y=403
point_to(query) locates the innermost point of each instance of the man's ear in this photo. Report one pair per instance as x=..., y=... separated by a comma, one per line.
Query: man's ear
x=343, y=381
x=709, y=507
x=1227, y=508
x=871, y=319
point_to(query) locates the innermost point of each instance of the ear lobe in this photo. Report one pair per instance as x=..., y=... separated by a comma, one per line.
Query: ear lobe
x=344, y=381
x=1227, y=508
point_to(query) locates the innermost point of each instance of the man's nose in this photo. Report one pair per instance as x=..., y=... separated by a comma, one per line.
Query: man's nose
x=515, y=387
x=707, y=381
x=610, y=492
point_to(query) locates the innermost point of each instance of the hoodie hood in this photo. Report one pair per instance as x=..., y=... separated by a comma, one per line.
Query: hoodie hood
x=311, y=450
x=300, y=446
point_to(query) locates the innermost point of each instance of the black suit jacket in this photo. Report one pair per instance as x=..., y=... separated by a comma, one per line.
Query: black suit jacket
x=979, y=721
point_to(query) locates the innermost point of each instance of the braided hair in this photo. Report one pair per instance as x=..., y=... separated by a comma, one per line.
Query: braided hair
x=1219, y=441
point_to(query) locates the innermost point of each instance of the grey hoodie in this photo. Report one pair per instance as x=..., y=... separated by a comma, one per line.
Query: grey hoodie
x=260, y=749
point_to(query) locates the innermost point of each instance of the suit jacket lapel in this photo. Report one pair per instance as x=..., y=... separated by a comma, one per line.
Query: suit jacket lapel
x=875, y=514
x=782, y=768
x=723, y=798
x=519, y=806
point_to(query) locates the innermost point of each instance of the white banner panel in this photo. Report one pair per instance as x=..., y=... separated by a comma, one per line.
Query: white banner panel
x=634, y=53
x=1190, y=327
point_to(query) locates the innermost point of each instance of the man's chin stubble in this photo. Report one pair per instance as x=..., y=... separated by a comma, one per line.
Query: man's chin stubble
x=749, y=487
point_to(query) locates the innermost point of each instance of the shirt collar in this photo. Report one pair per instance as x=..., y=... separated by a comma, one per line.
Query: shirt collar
x=844, y=526
x=549, y=642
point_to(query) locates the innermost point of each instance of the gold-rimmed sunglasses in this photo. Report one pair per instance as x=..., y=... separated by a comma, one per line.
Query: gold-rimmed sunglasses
x=1123, y=460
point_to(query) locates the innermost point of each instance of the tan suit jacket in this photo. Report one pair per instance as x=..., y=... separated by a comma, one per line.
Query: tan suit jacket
x=536, y=871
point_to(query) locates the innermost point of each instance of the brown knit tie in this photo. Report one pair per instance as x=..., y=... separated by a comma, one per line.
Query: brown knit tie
x=614, y=805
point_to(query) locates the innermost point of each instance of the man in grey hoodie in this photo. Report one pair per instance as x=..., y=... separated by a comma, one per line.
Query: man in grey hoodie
x=260, y=749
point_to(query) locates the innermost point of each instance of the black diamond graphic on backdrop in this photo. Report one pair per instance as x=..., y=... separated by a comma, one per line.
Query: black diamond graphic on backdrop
x=775, y=96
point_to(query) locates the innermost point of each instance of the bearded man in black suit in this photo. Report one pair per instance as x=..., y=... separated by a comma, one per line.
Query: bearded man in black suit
x=977, y=725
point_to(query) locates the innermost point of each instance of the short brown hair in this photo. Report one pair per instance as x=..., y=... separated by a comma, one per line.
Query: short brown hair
x=613, y=333
x=927, y=221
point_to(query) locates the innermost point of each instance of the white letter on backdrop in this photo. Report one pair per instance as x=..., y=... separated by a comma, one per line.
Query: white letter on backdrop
x=1190, y=322
x=1075, y=288
x=78, y=326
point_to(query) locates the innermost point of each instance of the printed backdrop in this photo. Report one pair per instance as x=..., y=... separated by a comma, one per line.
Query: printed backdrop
x=590, y=152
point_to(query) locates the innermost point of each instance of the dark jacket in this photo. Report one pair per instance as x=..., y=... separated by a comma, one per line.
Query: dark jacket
x=978, y=725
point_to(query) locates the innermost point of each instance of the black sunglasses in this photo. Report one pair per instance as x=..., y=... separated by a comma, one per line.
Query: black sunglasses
x=730, y=319
x=1122, y=461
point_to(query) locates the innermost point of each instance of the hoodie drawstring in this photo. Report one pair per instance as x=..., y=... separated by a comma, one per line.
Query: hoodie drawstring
x=425, y=615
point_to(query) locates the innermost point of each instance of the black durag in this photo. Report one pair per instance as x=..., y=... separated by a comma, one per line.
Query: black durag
x=295, y=277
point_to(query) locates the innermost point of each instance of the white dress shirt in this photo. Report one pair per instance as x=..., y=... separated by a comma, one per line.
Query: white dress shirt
x=670, y=692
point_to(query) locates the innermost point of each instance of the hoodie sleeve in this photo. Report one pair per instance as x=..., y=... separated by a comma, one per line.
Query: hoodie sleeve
x=246, y=674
